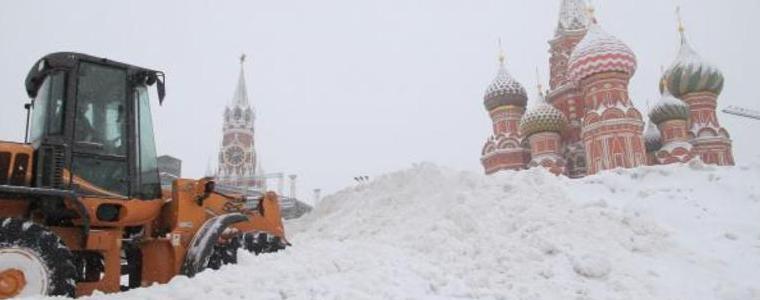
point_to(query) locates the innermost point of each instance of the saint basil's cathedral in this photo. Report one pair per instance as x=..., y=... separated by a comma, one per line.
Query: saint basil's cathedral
x=586, y=123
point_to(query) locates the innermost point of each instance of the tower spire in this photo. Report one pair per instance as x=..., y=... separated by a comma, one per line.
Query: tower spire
x=681, y=29
x=501, y=54
x=572, y=16
x=538, y=84
x=591, y=12
x=240, y=98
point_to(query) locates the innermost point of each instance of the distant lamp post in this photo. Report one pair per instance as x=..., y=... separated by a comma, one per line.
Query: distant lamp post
x=292, y=185
x=317, y=195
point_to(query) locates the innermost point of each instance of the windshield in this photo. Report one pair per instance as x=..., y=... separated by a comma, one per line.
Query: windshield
x=150, y=186
x=101, y=115
x=49, y=100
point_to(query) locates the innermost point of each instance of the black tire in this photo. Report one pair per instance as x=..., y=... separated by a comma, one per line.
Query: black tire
x=224, y=254
x=229, y=254
x=259, y=243
x=46, y=247
x=215, y=259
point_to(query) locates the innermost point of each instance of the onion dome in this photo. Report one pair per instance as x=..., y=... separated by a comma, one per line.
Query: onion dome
x=600, y=52
x=542, y=117
x=504, y=90
x=652, y=138
x=669, y=108
x=689, y=73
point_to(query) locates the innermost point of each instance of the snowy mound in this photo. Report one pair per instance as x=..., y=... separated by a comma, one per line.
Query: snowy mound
x=674, y=232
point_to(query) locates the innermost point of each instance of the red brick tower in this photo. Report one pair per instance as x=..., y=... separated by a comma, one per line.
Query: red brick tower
x=564, y=94
x=699, y=83
x=237, y=155
x=505, y=101
x=542, y=125
x=671, y=115
x=602, y=66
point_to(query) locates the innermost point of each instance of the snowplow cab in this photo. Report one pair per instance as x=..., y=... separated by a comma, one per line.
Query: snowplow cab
x=90, y=126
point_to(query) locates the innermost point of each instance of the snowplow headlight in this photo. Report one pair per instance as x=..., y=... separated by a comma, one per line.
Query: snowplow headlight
x=108, y=212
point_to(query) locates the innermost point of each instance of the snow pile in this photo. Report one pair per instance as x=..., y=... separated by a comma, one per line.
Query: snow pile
x=673, y=232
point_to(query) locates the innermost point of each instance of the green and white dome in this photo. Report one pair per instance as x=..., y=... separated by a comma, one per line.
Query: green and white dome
x=652, y=138
x=542, y=117
x=669, y=108
x=690, y=73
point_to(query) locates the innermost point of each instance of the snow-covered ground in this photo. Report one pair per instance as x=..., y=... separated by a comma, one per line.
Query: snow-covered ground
x=673, y=232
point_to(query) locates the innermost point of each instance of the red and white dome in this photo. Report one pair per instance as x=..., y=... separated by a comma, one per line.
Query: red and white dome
x=600, y=52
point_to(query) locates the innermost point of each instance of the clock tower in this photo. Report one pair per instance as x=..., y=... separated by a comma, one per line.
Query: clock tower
x=237, y=155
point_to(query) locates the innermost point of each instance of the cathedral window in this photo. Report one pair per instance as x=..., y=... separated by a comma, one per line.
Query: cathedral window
x=238, y=114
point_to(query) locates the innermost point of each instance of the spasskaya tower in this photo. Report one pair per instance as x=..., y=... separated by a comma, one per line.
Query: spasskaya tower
x=237, y=155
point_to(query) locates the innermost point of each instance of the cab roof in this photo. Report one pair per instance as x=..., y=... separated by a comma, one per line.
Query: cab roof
x=69, y=60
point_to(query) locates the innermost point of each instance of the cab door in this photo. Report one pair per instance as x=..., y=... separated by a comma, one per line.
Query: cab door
x=99, y=161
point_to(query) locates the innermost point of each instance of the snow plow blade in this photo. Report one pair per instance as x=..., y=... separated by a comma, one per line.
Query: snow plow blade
x=203, y=242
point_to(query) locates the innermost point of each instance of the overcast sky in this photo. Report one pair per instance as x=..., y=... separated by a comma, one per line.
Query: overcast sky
x=347, y=88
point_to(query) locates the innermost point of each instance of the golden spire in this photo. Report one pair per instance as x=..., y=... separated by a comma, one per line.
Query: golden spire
x=538, y=84
x=681, y=28
x=664, y=80
x=501, y=54
x=590, y=10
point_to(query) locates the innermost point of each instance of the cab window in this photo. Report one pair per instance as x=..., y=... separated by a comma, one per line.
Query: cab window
x=101, y=112
x=49, y=100
x=150, y=185
x=100, y=143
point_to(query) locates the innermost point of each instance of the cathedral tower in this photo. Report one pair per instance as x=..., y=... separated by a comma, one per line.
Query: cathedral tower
x=602, y=65
x=542, y=125
x=698, y=83
x=564, y=95
x=505, y=101
x=671, y=115
x=237, y=155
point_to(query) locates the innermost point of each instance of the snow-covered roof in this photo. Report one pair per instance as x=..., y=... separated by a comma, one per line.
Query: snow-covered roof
x=542, y=117
x=573, y=16
x=690, y=73
x=504, y=90
x=600, y=52
x=652, y=138
x=669, y=108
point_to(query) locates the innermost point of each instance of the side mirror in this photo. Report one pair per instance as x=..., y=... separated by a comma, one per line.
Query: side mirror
x=203, y=189
x=209, y=188
x=161, y=88
x=28, y=108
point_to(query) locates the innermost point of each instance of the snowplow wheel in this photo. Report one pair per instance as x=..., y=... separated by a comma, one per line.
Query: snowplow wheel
x=229, y=254
x=33, y=261
x=258, y=243
x=224, y=254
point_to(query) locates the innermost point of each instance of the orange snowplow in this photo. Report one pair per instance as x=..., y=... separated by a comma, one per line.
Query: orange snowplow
x=81, y=205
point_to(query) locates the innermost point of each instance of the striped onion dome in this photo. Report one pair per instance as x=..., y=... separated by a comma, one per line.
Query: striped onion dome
x=669, y=108
x=600, y=52
x=504, y=90
x=542, y=117
x=652, y=138
x=689, y=73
